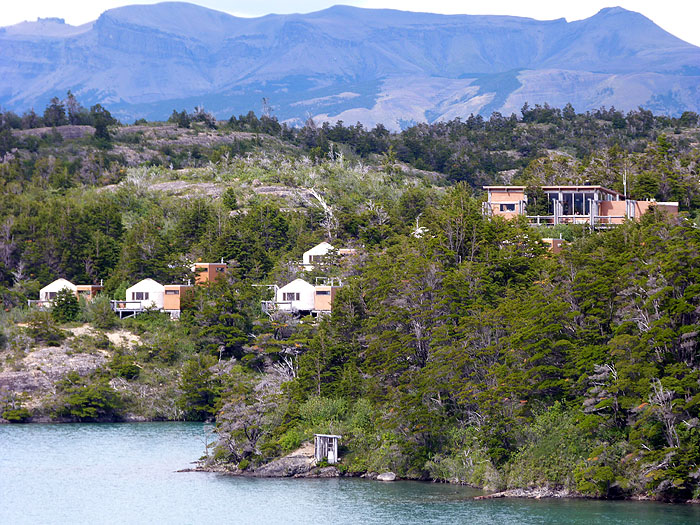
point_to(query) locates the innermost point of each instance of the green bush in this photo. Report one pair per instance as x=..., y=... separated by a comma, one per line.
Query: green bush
x=99, y=313
x=17, y=415
x=123, y=365
x=86, y=401
x=42, y=328
x=65, y=307
x=318, y=411
x=555, y=446
x=290, y=440
x=200, y=391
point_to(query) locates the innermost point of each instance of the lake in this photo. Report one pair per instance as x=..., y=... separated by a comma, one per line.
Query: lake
x=126, y=473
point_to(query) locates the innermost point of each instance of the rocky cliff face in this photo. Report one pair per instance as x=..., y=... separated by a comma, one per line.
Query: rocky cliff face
x=347, y=63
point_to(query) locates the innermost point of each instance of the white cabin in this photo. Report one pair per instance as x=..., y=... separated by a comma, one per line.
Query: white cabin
x=48, y=292
x=296, y=296
x=148, y=292
x=315, y=255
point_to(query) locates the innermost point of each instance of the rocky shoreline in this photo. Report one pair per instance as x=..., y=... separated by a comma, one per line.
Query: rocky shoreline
x=302, y=464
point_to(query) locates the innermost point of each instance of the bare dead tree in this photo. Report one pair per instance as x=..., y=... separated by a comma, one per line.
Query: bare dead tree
x=7, y=241
x=330, y=221
x=661, y=399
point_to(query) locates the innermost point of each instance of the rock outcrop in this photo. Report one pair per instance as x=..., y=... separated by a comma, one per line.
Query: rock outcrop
x=297, y=463
x=537, y=493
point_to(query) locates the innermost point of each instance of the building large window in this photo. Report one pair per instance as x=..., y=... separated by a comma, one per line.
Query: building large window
x=290, y=296
x=139, y=296
x=507, y=207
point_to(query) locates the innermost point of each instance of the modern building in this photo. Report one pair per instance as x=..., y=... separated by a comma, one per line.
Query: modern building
x=593, y=205
x=48, y=292
x=324, y=293
x=208, y=272
x=88, y=291
x=148, y=293
x=554, y=245
x=297, y=296
x=172, y=297
x=318, y=253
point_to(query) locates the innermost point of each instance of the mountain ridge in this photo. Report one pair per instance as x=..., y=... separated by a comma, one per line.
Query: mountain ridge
x=175, y=53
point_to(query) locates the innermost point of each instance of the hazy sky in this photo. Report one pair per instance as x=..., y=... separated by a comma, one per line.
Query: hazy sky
x=680, y=17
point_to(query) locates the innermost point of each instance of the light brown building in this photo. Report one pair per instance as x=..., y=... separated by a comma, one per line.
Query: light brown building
x=323, y=297
x=594, y=205
x=88, y=291
x=172, y=297
x=554, y=245
x=208, y=272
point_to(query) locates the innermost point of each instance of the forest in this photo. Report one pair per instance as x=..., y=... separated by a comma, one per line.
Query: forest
x=459, y=348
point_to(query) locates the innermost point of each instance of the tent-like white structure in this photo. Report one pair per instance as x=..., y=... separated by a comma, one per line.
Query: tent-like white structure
x=148, y=292
x=315, y=255
x=48, y=292
x=296, y=296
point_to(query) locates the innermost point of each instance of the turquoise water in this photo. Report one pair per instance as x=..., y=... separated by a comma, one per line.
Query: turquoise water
x=126, y=473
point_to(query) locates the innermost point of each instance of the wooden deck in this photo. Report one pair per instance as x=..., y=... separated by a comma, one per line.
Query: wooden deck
x=125, y=309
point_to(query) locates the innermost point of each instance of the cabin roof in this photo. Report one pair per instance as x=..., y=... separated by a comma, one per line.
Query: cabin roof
x=320, y=248
x=146, y=283
x=59, y=284
x=297, y=284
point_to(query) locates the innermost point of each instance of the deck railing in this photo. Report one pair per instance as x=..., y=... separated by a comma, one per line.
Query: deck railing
x=38, y=303
x=551, y=220
x=127, y=308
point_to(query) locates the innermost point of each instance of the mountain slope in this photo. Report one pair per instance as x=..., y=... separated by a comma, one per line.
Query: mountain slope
x=346, y=63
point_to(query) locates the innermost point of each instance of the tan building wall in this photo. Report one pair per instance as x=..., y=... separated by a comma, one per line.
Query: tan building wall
x=323, y=297
x=554, y=245
x=513, y=197
x=208, y=272
x=173, y=295
x=508, y=195
x=87, y=291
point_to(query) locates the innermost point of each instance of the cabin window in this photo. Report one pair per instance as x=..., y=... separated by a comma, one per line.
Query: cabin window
x=290, y=296
x=51, y=295
x=139, y=296
x=220, y=269
x=568, y=204
x=507, y=207
x=588, y=197
x=316, y=258
x=323, y=292
x=172, y=292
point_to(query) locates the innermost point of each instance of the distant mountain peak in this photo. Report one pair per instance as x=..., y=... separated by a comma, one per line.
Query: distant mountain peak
x=613, y=10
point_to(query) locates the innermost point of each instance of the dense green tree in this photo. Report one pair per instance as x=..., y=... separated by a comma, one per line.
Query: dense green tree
x=65, y=307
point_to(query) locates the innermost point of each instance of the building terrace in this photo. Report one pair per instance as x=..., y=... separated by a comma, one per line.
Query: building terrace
x=596, y=206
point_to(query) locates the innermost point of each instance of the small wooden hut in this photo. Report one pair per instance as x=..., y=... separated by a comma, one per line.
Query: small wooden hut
x=326, y=447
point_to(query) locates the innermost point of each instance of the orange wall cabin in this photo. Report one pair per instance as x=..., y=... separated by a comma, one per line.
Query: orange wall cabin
x=553, y=245
x=208, y=272
x=594, y=205
x=173, y=295
x=87, y=291
x=323, y=297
